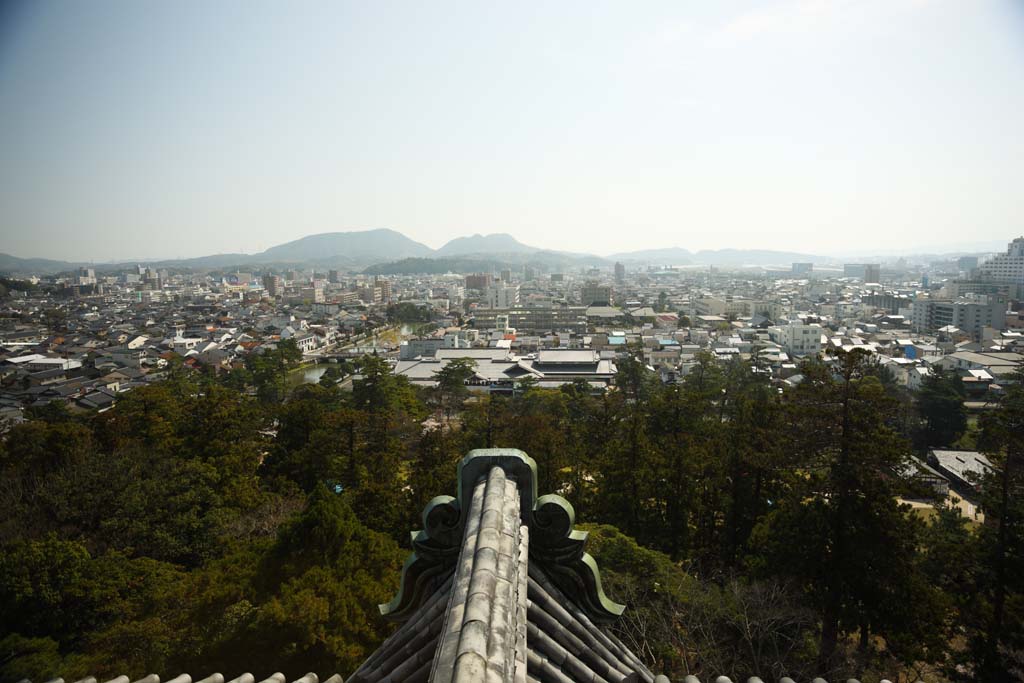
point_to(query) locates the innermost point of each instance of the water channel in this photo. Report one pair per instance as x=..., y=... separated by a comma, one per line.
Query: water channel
x=311, y=374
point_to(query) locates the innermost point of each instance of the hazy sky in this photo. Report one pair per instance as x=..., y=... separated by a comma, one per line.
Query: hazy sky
x=163, y=129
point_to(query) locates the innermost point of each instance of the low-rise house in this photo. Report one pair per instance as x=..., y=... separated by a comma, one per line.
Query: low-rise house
x=963, y=469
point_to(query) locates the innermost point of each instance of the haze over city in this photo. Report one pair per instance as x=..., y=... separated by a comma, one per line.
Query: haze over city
x=145, y=130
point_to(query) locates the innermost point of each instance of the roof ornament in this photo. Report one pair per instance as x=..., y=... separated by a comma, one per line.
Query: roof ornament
x=554, y=547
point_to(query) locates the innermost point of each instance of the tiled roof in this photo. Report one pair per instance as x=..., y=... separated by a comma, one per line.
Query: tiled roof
x=499, y=589
x=212, y=678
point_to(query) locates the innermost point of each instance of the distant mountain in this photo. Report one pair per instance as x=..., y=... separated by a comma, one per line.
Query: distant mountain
x=550, y=261
x=672, y=256
x=13, y=264
x=394, y=252
x=754, y=257
x=497, y=243
x=435, y=266
x=211, y=261
x=358, y=246
x=676, y=256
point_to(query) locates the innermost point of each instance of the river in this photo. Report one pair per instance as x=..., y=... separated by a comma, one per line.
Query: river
x=311, y=374
x=307, y=375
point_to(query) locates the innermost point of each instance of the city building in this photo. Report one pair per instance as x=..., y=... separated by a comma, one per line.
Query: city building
x=797, y=337
x=533, y=319
x=86, y=276
x=967, y=263
x=385, y=288
x=868, y=272
x=311, y=294
x=1006, y=268
x=501, y=296
x=370, y=294
x=620, y=272
x=970, y=314
x=479, y=281
x=273, y=285
x=497, y=370
x=802, y=269
x=594, y=293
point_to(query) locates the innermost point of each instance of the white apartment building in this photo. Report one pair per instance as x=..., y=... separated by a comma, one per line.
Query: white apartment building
x=181, y=345
x=1008, y=267
x=306, y=341
x=501, y=296
x=797, y=338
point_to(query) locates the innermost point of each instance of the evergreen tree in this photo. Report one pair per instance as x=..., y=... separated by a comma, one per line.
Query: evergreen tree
x=451, y=390
x=943, y=415
x=997, y=617
x=841, y=531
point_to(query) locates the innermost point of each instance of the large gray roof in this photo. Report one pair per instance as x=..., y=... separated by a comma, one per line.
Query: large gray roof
x=964, y=466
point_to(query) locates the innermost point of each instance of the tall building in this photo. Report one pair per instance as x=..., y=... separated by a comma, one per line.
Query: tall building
x=970, y=315
x=273, y=285
x=868, y=272
x=385, y=288
x=594, y=293
x=312, y=294
x=620, y=272
x=334, y=277
x=151, y=280
x=967, y=263
x=86, y=276
x=370, y=295
x=1006, y=268
x=479, y=281
x=500, y=296
x=506, y=275
x=802, y=269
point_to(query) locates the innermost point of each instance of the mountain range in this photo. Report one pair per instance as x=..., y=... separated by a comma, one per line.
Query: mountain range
x=384, y=250
x=354, y=249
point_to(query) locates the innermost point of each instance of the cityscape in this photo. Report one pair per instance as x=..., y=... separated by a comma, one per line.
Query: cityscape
x=85, y=336
x=577, y=342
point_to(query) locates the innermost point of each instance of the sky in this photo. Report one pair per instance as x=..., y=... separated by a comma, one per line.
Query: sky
x=143, y=129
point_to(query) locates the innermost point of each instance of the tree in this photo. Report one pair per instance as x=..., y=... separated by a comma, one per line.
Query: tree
x=841, y=531
x=269, y=369
x=392, y=412
x=408, y=312
x=329, y=572
x=997, y=618
x=941, y=404
x=433, y=470
x=332, y=375
x=624, y=461
x=452, y=390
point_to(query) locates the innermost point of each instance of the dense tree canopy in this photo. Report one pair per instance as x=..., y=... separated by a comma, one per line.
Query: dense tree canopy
x=206, y=524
